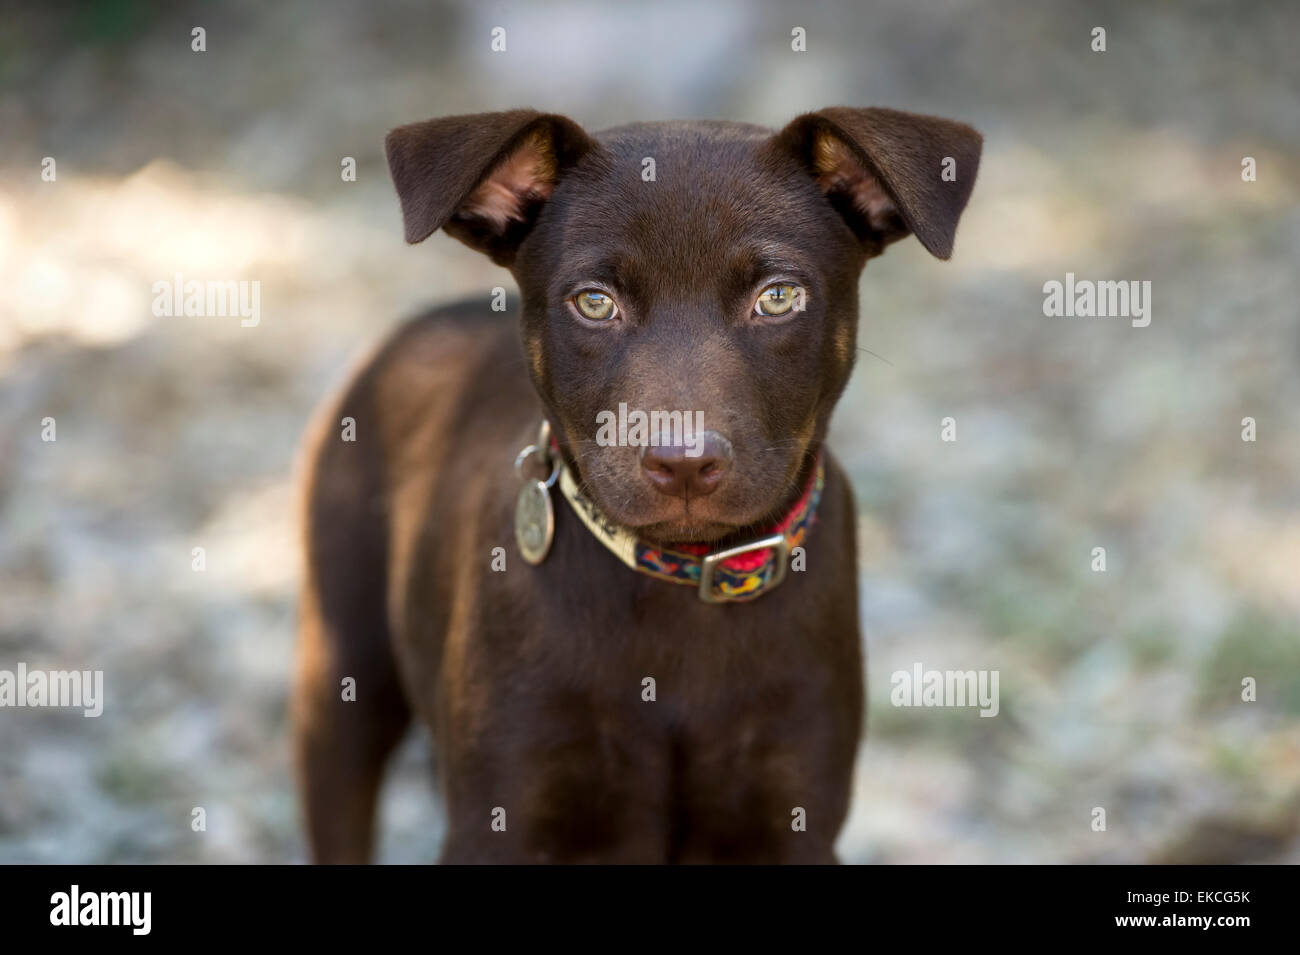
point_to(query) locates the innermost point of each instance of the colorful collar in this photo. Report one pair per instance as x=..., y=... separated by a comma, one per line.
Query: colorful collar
x=734, y=574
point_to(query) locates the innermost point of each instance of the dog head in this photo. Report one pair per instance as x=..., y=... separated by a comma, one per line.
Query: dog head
x=689, y=290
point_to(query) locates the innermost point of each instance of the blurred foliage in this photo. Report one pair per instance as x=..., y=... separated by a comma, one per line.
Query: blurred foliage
x=1260, y=645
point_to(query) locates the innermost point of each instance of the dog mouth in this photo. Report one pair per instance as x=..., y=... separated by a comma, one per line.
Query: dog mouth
x=741, y=506
x=686, y=531
x=664, y=521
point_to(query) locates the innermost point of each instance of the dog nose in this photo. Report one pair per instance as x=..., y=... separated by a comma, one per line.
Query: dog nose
x=679, y=471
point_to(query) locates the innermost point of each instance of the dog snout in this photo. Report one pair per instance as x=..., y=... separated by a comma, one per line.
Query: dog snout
x=688, y=471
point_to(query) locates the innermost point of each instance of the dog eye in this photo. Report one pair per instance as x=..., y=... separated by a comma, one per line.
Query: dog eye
x=779, y=299
x=595, y=305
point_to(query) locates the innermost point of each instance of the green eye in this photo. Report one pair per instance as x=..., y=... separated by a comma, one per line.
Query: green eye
x=779, y=299
x=595, y=305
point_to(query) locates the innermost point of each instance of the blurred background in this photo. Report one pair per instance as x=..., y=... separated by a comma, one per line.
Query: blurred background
x=1119, y=690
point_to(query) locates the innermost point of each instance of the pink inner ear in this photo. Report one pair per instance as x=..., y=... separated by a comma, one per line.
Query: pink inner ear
x=838, y=170
x=526, y=174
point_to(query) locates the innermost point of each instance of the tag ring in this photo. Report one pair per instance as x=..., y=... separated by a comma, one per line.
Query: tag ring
x=531, y=452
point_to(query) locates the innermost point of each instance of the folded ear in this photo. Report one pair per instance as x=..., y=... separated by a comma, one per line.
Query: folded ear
x=889, y=173
x=483, y=177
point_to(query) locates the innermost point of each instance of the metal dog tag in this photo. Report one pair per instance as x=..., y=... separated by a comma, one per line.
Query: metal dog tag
x=534, y=521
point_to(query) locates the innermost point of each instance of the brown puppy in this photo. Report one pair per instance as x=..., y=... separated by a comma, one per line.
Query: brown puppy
x=585, y=711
